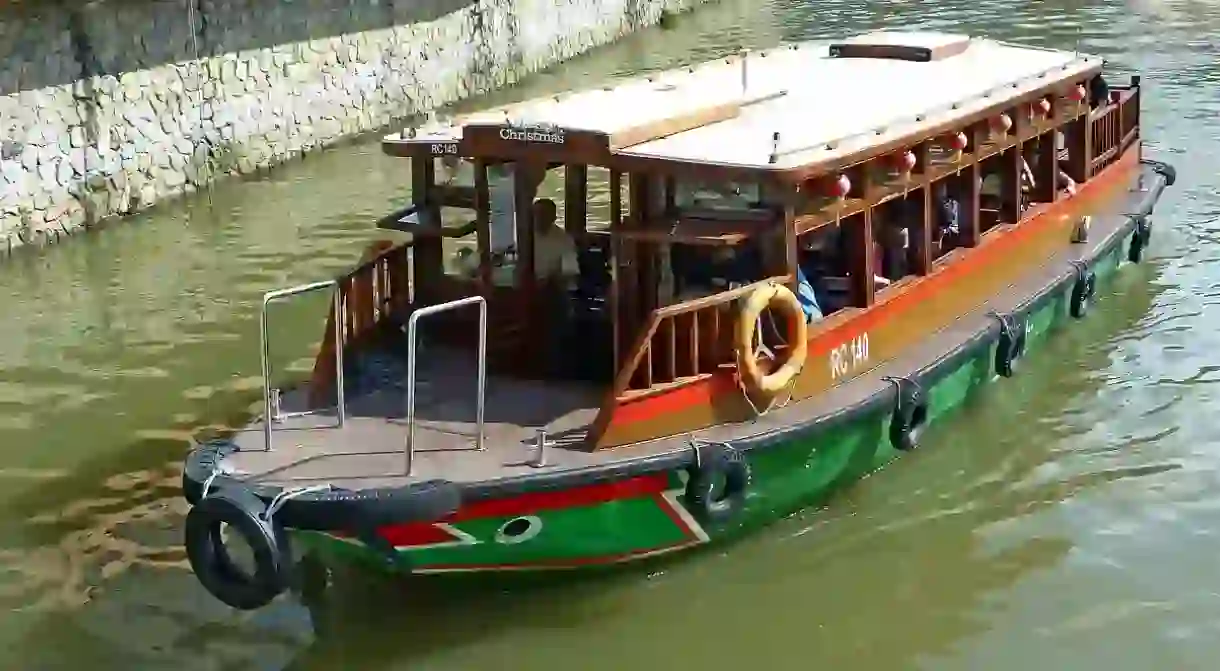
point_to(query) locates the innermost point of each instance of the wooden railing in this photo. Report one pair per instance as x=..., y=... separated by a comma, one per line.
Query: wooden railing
x=1114, y=127
x=376, y=290
x=682, y=343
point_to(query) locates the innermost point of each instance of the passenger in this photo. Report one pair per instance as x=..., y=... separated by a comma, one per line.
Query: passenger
x=1061, y=161
x=818, y=264
x=949, y=217
x=1099, y=92
x=807, y=297
x=892, y=238
x=741, y=265
x=991, y=189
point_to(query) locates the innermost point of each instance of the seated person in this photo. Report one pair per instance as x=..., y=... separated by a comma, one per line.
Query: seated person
x=1062, y=163
x=1099, y=92
x=818, y=266
x=736, y=266
x=807, y=297
x=948, y=216
x=890, y=242
x=991, y=189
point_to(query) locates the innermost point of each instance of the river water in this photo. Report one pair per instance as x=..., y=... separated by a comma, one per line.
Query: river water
x=1067, y=520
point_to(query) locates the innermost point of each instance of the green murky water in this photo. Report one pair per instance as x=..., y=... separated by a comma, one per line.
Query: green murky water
x=1067, y=521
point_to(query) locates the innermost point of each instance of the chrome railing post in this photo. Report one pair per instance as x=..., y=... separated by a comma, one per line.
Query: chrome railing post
x=340, y=338
x=482, y=384
x=412, y=327
x=265, y=357
x=270, y=410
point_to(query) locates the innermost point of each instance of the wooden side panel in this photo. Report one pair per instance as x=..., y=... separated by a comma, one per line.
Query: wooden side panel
x=959, y=283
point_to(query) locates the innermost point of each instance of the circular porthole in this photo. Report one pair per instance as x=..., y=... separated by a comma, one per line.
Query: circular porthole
x=519, y=530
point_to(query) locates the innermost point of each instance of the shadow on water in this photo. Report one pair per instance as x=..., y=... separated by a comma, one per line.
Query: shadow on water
x=101, y=575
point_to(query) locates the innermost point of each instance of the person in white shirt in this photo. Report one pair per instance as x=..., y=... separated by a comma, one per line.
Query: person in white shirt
x=555, y=267
x=554, y=249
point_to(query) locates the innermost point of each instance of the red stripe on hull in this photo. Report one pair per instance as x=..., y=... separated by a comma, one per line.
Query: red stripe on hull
x=410, y=535
x=533, y=502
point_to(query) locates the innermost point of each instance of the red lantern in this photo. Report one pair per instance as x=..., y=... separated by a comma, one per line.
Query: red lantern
x=1077, y=94
x=904, y=162
x=1001, y=124
x=840, y=187
x=957, y=142
x=1043, y=107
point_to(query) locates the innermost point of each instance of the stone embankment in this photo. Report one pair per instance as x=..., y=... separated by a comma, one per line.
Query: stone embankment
x=108, y=107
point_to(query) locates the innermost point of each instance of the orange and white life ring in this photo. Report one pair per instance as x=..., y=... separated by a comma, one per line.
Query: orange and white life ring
x=781, y=299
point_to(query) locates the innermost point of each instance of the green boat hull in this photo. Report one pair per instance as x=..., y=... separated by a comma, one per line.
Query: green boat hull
x=643, y=516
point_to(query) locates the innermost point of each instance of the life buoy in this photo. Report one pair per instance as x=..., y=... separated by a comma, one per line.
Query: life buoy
x=1139, y=240
x=909, y=416
x=716, y=490
x=780, y=298
x=1083, y=291
x=209, y=557
x=1011, y=345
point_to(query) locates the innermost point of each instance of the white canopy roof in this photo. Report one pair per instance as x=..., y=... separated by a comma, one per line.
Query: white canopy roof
x=822, y=107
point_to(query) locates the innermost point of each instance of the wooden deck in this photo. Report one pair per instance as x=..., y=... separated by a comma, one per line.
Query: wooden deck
x=371, y=445
x=369, y=450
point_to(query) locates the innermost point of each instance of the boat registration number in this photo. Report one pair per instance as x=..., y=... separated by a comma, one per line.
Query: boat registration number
x=847, y=358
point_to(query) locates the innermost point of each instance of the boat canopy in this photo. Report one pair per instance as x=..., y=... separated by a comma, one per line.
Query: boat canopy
x=787, y=107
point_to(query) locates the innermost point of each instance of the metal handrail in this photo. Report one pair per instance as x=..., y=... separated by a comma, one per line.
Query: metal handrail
x=412, y=325
x=271, y=412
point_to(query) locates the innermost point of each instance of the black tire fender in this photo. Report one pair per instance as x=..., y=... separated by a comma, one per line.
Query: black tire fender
x=1083, y=290
x=1011, y=345
x=716, y=490
x=909, y=416
x=243, y=513
x=1139, y=239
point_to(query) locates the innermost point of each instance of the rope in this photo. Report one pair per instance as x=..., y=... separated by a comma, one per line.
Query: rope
x=207, y=484
x=287, y=495
x=1006, y=323
x=762, y=348
x=198, y=66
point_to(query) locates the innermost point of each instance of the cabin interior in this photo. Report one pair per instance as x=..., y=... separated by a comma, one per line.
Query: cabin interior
x=604, y=284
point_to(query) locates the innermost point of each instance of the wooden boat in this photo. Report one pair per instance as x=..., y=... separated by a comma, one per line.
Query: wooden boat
x=778, y=300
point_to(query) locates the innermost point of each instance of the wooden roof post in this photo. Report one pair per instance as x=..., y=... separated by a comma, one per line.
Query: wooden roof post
x=1012, y=173
x=621, y=269
x=575, y=198
x=1046, y=172
x=971, y=177
x=428, y=264
x=791, y=258
x=482, y=206
x=862, y=259
x=921, y=253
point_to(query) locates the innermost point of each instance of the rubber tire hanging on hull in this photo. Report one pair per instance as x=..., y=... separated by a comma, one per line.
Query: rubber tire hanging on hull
x=1011, y=346
x=909, y=416
x=243, y=512
x=716, y=490
x=1139, y=239
x=1082, y=290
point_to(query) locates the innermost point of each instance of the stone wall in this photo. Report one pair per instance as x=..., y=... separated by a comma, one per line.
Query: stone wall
x=111, y=106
